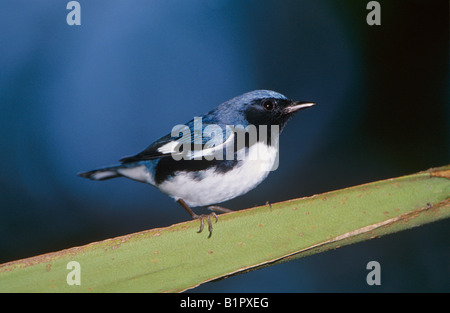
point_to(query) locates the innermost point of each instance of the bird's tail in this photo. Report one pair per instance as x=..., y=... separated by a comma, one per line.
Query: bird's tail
x=102, y=173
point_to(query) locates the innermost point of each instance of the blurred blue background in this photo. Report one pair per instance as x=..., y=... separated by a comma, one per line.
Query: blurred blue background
x=73, y=98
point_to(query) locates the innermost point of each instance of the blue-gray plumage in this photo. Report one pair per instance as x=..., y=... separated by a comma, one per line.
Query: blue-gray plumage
x=212, y=174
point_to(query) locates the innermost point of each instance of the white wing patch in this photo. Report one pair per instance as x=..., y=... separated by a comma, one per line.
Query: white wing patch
x=169, y=147
x=210, y=151
x=173, y=148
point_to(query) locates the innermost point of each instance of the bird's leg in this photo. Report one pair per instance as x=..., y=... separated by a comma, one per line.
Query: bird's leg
x=187, y=208
x=200, y=217
x=218, y=208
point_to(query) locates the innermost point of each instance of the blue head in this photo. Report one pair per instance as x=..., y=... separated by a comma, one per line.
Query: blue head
x=259, y=107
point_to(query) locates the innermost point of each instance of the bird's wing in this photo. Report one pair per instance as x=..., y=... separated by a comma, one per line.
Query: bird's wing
x=201, y=142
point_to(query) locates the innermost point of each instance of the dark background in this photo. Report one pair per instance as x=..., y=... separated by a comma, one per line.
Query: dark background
x=73, y=98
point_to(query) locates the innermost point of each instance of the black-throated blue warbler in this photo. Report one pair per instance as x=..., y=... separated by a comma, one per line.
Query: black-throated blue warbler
x=215, y=157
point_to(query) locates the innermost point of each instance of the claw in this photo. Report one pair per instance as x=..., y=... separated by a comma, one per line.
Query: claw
x=215, y=216
x=208, y=219
x=200, y=217
x=201, y=224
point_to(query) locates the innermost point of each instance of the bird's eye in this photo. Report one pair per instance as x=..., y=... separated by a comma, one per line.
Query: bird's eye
x=268, y=104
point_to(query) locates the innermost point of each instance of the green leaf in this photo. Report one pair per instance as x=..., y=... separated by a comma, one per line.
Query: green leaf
x=177, y=258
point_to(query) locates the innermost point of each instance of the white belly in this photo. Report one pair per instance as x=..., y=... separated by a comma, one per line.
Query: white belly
x=219, y=187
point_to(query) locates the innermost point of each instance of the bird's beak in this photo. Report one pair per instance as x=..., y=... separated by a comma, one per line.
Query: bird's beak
x=297, y=105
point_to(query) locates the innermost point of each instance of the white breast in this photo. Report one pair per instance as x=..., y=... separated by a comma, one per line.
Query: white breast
x=219, y=187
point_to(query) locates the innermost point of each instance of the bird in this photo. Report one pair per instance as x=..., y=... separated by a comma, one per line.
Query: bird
x=216, y=156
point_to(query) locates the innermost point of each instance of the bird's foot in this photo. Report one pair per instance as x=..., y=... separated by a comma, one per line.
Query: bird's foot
x=201, y=217
x=207, y=217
